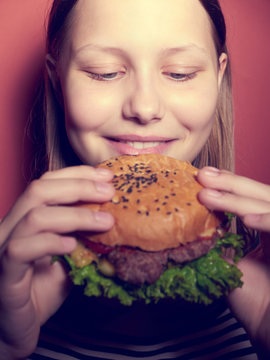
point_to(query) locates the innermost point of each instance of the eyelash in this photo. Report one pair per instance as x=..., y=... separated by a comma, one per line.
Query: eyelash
x=114, y=75
x=181, y=77
x=103, y=77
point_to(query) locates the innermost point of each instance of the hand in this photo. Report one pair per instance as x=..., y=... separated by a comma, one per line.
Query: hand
x=250, y=200
x=37, y=227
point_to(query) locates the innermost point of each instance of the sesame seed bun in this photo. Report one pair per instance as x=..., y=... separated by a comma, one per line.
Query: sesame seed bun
x=155, y=205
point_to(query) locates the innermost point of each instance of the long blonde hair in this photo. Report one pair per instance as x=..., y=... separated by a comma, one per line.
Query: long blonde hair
x=48, y=118
x=218, y=151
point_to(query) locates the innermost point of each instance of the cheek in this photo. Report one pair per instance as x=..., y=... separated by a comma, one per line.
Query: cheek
x=195, y=109
x=86, y=108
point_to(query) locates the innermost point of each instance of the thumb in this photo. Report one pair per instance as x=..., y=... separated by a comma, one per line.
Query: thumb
x=258, y=221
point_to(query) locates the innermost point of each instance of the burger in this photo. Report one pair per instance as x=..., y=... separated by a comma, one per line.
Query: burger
x=164, y=243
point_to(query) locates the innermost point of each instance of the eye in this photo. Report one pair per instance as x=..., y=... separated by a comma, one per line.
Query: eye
x=105, y=76
x=179, y=76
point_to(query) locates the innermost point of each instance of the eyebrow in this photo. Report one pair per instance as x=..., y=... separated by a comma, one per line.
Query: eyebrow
x=184, y=48
x=109, y=49
x=165, y=51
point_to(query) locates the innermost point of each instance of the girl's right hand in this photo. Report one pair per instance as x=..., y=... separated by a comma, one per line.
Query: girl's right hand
x=35, y=229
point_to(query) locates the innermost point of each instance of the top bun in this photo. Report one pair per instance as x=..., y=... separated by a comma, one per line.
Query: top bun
x=155, y=205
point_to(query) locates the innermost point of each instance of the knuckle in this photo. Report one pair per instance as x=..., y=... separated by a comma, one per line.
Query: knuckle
x=52, y=239
x=33, y=218
x=231, y=184
x=86, y=187
x=13, y=250
x=35, y=190
x=84, y=217
x=85, y=168
x=227, y=182
x=90, y=173
x=47, y=175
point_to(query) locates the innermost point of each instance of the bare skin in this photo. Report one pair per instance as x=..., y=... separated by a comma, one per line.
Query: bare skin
x=36, y=228
x=156, y=90
x=251, y=201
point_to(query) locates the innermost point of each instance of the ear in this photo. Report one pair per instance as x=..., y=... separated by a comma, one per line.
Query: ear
x=223, y=60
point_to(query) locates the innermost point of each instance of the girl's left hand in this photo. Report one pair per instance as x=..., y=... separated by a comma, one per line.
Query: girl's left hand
x=250, y=200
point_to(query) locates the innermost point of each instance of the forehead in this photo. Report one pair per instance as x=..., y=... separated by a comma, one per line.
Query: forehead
x=141, y=23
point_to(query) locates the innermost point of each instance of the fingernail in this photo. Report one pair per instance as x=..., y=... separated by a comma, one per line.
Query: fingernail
x=103, y=172
x=214, y=193
x=211, y=171
x=103, y=187
x=102, y=217
x=69, y=243
x=252, y=218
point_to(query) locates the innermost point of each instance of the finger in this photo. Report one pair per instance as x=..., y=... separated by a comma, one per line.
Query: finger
x=236, y=204
x=259, y=222
x=66, y=191
x=54, y=192
x=21, y=253
x=235, y=184
x=62, y=220
x=80, y=172
x=49, y=280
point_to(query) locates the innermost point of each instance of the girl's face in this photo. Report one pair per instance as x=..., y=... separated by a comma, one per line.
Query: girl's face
x=139, y=76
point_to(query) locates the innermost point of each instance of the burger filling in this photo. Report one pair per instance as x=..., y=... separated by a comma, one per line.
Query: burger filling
x=202, y=280
x=137, y=266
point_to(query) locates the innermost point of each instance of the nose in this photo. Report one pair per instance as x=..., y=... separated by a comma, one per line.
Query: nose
x=143, y=103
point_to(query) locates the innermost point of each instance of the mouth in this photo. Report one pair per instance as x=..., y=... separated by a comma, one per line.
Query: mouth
x=135, y=145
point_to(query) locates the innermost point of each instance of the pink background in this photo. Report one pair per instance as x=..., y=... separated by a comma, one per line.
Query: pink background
x=22, y=48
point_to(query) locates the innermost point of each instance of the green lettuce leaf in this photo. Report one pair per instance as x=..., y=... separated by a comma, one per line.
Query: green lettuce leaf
x=201, y=281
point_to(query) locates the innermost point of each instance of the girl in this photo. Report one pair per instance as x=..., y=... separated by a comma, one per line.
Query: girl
x=116, y=84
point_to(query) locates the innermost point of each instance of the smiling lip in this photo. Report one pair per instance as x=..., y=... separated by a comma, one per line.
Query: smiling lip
x=135, y=145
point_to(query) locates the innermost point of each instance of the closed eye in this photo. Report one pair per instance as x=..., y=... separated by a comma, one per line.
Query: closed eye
x=179, y=76
x=105, y=76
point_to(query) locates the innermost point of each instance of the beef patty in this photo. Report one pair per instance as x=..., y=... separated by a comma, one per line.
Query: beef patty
x=138, y=266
